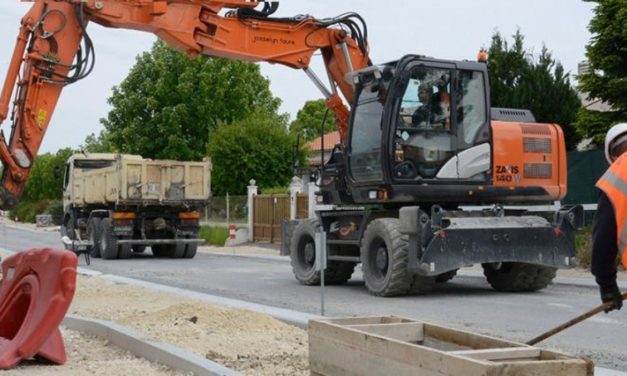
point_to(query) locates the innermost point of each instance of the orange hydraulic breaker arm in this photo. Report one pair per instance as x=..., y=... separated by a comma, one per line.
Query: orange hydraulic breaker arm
x=49, y=55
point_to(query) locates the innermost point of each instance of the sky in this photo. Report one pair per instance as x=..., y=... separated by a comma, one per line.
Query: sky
x=453, y=29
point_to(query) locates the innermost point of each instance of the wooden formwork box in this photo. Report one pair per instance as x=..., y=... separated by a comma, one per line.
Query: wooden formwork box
x=397, y=346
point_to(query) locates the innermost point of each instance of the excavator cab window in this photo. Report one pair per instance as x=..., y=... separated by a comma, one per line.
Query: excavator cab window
x=442, y=112
x=425, y=136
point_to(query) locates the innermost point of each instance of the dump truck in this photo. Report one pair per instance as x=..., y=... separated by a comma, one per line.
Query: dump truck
x=117, y=204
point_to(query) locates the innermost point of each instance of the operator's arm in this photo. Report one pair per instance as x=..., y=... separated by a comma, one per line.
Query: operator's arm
x=605, y=249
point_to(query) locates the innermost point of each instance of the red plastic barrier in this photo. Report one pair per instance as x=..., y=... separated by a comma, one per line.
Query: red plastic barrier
x=35, y=293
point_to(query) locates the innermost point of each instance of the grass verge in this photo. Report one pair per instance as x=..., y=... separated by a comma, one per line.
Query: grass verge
x=214, y=235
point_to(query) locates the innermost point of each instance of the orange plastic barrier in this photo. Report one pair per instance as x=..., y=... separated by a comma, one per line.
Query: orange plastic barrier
x=35, y=293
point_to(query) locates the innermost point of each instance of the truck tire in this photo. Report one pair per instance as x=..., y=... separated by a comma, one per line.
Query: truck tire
x=93, y=235
x=191, y=248
x=303, y=258
x=384, y=258
x=177, y=250
x=125, y=250
x=108, y=240
x=69, y=224
x=139, y=248
x=159, y=250
x=517, y=277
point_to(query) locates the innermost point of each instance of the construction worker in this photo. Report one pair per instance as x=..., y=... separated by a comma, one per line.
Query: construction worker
x=609, y=232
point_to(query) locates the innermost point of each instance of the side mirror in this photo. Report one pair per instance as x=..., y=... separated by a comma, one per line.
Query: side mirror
x=56, y=172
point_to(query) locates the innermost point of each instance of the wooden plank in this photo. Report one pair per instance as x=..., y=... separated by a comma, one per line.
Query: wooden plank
x=337, y=350
x=386, y=346
x=406, y=332
x=501, y=354
x=465, y=338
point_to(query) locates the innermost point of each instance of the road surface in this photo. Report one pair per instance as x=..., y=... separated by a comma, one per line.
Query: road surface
x=467, y=302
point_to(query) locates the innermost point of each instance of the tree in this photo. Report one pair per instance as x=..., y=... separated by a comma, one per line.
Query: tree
x=309, y=120
x=46, y=178
x=605, y=78
x=517, y=80
x=258, y=147
x=167, y=105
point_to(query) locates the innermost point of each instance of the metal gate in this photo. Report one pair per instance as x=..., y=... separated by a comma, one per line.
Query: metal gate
x=269, y=212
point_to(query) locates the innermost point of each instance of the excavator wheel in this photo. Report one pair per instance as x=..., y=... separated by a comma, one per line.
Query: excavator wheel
x=303, y=258
x=384, y=259
x=303, y=252
x=518, y=277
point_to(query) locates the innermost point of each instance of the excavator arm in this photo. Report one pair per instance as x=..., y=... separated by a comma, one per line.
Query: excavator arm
x=53, y=49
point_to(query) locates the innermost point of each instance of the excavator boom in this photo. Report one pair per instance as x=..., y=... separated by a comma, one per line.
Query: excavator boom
x=53, y=49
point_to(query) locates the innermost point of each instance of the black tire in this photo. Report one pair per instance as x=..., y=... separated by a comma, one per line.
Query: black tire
x=177, y=250
x=384, y=259
x=303, y=258
x=69, y=224
x=159, y=250
x=303, y=252
x=125, y=250
x=139, y=248
x=517, y=277
x=93, y=235
x=108, y=240
x=191, y=248
x=445, y=277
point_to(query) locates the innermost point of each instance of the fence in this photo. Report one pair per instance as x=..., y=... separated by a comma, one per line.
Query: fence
x=225, y=210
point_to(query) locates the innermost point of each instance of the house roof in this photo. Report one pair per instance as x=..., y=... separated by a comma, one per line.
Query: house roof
x=330, y=140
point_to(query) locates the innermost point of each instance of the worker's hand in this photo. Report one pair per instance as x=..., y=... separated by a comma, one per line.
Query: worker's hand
x=612, y=294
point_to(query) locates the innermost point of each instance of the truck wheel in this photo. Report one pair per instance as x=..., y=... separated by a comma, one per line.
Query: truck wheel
x=125, y=250
x=177, y=250
x=516, y=276
x=93, y=235
x=69, y=224
x=159, y=250
x=139, y=248
x=191, y=248
x=303, y=252
x=108, y=240
x=384, y=258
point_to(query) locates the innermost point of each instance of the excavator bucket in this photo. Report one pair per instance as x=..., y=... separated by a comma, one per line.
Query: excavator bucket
x=36, y=290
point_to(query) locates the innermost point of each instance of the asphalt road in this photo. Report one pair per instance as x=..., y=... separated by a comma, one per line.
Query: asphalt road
x=467, y=302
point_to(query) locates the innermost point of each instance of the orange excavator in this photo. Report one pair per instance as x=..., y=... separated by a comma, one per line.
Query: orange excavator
x=394, y=189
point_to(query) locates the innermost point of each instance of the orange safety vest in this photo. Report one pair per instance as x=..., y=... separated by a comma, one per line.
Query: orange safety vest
x=614, y=184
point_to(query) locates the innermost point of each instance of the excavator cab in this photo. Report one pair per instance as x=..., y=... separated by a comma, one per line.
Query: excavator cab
x=418, y=122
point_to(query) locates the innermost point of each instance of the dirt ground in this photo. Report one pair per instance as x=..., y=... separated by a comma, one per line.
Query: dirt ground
x=246, y=341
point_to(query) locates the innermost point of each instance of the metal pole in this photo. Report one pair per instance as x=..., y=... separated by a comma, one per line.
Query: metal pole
x=228, y=211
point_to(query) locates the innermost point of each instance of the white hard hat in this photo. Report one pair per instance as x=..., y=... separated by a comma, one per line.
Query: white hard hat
x=616, y=133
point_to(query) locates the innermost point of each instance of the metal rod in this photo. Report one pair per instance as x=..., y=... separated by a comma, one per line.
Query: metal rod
x=572, y=322
x=347, y=57
x=313, y=77
x=332, y=82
